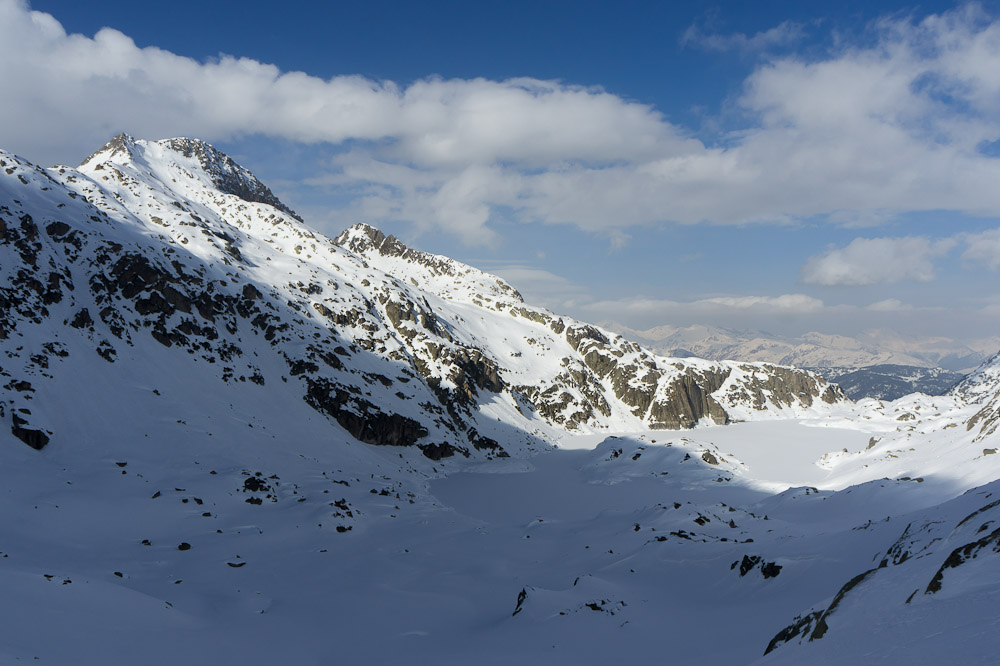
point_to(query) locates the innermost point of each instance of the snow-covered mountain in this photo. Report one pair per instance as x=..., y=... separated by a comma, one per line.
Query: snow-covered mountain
x=220, y=425
x=876, y=364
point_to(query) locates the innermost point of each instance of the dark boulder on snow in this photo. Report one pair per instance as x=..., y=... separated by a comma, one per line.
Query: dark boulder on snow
x=36, y=439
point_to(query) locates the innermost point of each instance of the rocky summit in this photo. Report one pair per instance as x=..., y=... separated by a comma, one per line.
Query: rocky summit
x=219, y=423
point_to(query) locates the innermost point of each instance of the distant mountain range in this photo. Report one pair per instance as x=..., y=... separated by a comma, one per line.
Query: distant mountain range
x=879, y=364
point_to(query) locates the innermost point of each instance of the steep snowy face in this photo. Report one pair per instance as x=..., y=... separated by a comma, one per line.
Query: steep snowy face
x=169, y=247
x=982, y=387
x=982, y=383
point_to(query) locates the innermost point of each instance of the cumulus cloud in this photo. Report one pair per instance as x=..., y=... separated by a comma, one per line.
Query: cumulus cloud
x=983, y=248
x=862, y=132
x=868, y=261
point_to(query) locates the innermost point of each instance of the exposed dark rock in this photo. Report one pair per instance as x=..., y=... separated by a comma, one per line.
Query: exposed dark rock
x=770, y=569
x=36, y=439
x=368, y=424
x=521, y=597
x=443, y=450
x=748, y=563
x=82, y=319
x=56, y=229
x=255, y=484
x=961, y=555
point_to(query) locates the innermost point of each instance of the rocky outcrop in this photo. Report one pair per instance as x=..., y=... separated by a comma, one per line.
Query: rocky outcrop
x=33, y=437
x=363, y=420
x=688, y=399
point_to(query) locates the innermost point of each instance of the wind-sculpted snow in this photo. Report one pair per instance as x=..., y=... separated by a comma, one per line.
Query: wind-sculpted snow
x=288, y=449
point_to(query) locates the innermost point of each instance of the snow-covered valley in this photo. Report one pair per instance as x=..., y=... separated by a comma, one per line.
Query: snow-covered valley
x=229, y=439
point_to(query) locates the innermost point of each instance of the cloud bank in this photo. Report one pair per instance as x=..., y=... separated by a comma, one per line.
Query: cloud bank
x=868, y=261
x=896, y=125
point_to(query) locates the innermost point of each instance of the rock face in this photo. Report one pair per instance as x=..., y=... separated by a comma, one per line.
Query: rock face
x=170, y=247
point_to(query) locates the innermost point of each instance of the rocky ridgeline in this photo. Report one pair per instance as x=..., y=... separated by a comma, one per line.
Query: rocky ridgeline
x=170, y=247
x=601, y=370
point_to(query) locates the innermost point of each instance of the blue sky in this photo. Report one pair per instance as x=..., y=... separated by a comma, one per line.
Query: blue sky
x=788, y=166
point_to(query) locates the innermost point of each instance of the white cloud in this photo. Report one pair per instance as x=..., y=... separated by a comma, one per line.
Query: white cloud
x=787, y=32
x=983, y=248
x=861, y=133
x=889, y=305
x=868, y=261
x=784, y=304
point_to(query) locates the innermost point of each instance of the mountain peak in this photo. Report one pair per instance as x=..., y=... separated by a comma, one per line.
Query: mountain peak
x=226, y=174
x=363, y=238
x=121, y=144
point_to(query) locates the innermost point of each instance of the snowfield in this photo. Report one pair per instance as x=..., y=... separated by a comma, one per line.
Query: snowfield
x=225, y=438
